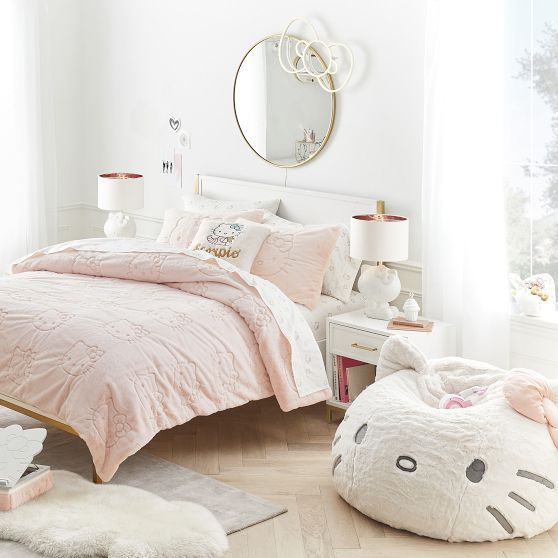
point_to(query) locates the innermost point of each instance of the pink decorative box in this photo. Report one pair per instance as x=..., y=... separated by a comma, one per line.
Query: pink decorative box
x=29, y=486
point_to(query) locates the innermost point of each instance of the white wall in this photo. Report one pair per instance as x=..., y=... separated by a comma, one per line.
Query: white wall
x=63, y=21
x=124, y=66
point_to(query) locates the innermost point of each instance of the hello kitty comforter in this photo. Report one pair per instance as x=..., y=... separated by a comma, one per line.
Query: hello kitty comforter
x=123, y=338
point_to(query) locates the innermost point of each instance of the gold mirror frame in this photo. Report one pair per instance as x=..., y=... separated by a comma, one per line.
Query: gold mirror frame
x=331, y=118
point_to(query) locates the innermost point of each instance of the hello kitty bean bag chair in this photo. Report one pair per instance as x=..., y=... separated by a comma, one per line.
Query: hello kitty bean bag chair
x=484, y=472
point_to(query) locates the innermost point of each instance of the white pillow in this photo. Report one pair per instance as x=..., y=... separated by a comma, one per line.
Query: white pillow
x=341, y=270
x=236, y=240
x=180, y=227
x=197, y=202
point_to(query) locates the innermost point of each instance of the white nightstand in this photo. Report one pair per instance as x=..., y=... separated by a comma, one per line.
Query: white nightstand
x=354, y=335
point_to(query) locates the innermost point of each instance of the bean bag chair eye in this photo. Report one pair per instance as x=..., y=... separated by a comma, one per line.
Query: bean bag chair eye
x=480, y=472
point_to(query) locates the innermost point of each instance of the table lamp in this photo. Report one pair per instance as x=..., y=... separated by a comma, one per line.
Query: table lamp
x=379, y=238
x=119, y=191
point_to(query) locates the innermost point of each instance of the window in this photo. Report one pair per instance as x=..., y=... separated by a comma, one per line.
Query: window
x=531, y=142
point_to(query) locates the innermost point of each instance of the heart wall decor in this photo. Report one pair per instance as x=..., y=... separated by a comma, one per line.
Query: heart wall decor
x=175, y=123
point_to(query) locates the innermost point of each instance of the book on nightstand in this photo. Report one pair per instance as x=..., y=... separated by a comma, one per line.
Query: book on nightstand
x=36, y=480
x=352, y=377
x=335, y=378
x=403, y=324
x=342, y=364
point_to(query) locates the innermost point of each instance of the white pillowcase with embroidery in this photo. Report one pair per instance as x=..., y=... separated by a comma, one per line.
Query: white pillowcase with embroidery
x=341, y=270
x=236, y=240
x=180, y=227
x=197, y=202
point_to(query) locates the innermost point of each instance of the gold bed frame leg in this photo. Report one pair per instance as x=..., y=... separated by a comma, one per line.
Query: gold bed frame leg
x=329, y=413
x=96, y=478
x=50, y=420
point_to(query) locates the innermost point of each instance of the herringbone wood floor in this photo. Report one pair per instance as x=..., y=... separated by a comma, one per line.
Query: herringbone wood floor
x=285, y=457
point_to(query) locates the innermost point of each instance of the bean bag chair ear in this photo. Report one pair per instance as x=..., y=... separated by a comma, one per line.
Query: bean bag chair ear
x=531, y=394
x=482, y=473
x=398, y=353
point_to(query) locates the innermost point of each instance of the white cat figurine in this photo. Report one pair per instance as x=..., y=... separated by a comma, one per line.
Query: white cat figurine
x=379, y=285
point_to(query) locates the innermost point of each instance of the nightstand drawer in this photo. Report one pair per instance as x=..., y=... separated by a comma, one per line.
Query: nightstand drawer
x=357, y=344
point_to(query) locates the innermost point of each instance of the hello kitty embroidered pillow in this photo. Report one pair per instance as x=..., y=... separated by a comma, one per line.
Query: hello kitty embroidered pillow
x=236, y=240
x=296, y=261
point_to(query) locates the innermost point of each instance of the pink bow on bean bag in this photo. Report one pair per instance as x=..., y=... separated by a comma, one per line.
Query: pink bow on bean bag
x=530, y=394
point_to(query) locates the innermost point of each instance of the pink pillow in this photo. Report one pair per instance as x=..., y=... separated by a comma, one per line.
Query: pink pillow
x=296, y=261
x=180, y=227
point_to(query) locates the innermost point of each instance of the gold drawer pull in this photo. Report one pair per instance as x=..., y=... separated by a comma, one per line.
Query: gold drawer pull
x=364, y=347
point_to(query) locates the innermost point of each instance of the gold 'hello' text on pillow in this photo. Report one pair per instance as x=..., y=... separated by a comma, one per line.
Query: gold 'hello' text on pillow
x=235, y=240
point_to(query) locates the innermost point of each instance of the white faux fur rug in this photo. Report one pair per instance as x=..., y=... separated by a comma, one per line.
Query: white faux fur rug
x=79, y=518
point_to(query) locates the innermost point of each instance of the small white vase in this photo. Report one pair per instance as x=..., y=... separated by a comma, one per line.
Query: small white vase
x=411, y=309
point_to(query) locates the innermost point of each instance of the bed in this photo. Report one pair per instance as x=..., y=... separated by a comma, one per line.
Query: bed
x=114, y=340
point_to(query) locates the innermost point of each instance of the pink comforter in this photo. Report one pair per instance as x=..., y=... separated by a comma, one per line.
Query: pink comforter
x=122, y=345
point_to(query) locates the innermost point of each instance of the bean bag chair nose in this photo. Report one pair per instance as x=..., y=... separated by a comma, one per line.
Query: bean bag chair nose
x=485, y=472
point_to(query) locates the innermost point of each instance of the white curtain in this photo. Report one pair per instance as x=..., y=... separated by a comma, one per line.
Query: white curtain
x=464, y=254
x=27, y=169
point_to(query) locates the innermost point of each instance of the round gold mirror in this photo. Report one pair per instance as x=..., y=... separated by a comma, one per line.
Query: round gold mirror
x=285, y=118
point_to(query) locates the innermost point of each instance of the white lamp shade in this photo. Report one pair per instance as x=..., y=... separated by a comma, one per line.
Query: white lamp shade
x=120, y=191
x=380, y=238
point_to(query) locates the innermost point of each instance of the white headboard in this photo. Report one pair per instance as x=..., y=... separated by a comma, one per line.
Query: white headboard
x=302, y=206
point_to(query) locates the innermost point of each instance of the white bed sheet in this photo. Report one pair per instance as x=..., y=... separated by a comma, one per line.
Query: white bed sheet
x=328, y=306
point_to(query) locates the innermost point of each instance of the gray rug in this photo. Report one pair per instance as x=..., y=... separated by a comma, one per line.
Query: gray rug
x=233, y=508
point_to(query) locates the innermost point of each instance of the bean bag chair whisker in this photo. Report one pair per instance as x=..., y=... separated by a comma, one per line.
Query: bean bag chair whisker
x=484, y=472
